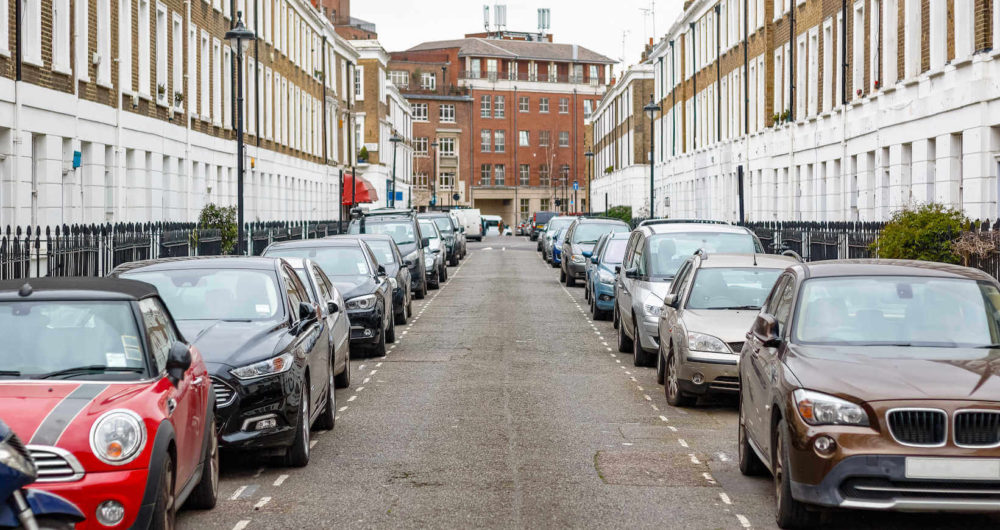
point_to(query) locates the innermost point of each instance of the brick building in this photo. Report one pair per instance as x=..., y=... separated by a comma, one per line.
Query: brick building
x=140, y=94
x=529, y=101
x=764, y=91
x=622, y=141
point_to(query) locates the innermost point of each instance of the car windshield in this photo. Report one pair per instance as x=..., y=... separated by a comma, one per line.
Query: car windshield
x=898, y=311
x=427, y=229
x=556, y=224
x=731, y=288
x=334, y=260
x=215, y=294
x=400, y=231
x=382, y=250
x=614, y=251
x=559, y=236
x=42, y=338
x=305, y=281
x=589, y=233
x=668, y=252
x=443, y=224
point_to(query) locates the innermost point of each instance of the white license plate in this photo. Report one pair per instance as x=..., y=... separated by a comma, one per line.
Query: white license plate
x=953, y=468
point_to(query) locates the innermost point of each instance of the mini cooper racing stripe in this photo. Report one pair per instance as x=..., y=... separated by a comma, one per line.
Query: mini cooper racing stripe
x=59, y=418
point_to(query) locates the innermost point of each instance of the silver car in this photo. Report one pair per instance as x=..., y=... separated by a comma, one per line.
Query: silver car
x=706, y=315
x=551, y=229
x=654, y=254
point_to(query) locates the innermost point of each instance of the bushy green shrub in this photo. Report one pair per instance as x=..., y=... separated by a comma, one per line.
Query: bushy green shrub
x=924, y=232
x=620, y=212
x=222, y=218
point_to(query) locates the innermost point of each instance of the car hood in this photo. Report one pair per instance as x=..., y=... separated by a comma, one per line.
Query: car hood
x=351, y=287
x=894, y=373
x=234, y=343
x=580, y=248
x=45, y=412
x=727, y=325
x=660, y=289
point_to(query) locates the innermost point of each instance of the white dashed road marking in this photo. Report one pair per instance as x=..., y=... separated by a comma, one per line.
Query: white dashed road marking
x=241, y=525
x=280, y=480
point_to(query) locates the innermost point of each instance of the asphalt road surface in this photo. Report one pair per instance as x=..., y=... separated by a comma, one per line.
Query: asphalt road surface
x=503, y=405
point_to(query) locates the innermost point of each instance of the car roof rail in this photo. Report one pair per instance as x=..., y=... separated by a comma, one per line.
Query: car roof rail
x=792, y=254
x=648, y=222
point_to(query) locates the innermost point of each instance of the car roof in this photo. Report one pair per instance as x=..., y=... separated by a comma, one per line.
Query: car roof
x=619, y=235
x=599, y=220
x=76, y=288
x=363, y=237
x=428, y=215
x=776, y=261
x=345, y=241
x=668, y=228
x=387, y=211
x=890, y=267
x=197, y=262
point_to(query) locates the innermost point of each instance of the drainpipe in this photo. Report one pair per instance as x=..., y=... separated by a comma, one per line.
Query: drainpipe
x=19, y=57
x=515, y=108
x=718, y=78
x=746, y=68
x=673, y=94
x=791, y=62
x=694, y=89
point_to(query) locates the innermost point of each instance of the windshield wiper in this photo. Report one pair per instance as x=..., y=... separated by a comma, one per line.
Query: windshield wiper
x=92, y=368
x=984, y=346
x=11, y=373
x=738, y=307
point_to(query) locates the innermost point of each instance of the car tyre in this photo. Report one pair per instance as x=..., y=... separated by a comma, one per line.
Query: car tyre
x=562, y=275
x=343, y=379
x=570, y=280
x=453, y=261
x=328, y=418
x=422, y=292
x=624, y=343
x=206, y=494
x=614, y=317
x=749, y=462
x=390, y=333
x=790, y=513
x=400, y=318
x=672, y=386
x=639, y=355
x=165, y=511
x=586, y=294
x=660, y=368
x=298, y=454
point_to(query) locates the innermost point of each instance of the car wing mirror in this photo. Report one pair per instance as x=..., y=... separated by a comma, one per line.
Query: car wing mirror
x=381, y=270
x=670, y=300
x=765, y=329
x=632, y=273
x=593, y=259
x=407, y=263
x=307, y=311
x=587, y=254
x=425, y=242
x=618, y=269
x=332, y=307
x=178, y=362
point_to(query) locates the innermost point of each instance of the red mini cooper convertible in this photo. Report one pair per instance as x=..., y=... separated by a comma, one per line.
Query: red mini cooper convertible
x=116, y=409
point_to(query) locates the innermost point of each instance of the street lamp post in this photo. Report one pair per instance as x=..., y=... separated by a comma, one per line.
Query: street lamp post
x=395, y=139
x=240, y=38
x=652, y=108
x=590, y=174
x=434, y=160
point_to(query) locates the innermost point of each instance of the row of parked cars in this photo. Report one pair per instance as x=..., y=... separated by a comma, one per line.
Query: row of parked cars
x=865, y=384
x=117, y=394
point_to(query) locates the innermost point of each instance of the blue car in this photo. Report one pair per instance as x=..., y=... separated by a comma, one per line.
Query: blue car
x=601, y=274
x=557, y=246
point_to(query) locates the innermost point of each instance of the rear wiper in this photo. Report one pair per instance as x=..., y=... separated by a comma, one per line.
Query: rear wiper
x=92, y=368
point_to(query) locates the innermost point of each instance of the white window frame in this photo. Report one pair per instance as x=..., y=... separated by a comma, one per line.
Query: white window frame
x=911, y=37
x=125, y=46
x=812, y=94
x=143, y=51
x=191, y=93
x=217, y=82
x=446, y=113
x=890, y=46
x=858, y=50
x=204, y=95
x=31, y=35
x=938, y=39
x=162, y=76
x=81, y=46
x=420, y=116
x=61, y=37
x=499, y=141
x=268, y=94
x=104, y=42
x=965, y=34
x=359, y=83
x=177, y=36
x=227, y=87
x=828, y=47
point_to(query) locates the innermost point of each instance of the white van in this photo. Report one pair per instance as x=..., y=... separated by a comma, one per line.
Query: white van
x=472, y=220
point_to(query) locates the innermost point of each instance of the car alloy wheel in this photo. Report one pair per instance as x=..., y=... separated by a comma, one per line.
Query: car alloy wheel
x=206, y=493
x=165, y=511
x=298, y=453
x=675, y=396
x=790, y=513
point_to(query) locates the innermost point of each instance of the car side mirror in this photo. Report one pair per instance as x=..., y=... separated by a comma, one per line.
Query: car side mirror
x=618, y=269
x=436, y=250
x=587, y=253
x=425, y=242
x=765, y=329
x=380, y=271
x=670, y=300
x=307, y=311
x=332, y=307
x=593, y=259
x=178, y=362
x=632, y=273
x=407, y=263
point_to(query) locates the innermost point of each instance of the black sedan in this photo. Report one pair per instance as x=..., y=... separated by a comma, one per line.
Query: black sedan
x=268, y=355
x=397, y=270
x=355, y=271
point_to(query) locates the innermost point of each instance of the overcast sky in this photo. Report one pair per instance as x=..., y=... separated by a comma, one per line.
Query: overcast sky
x=594, y=24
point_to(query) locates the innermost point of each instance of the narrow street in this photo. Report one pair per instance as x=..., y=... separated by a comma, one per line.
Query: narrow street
x=503, y=405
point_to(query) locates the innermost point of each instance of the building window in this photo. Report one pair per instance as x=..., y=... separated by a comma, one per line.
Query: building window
x=475, y=69
x=543, y=178
x=553, y=74
x=420, y=146
x=543, y=104
x=206, y=60
x=104, y=42
x=594, y=75
x=400, y=78
x=563, y=105
x=564, y=174
x=124, y=44
x=419, y=112
x=447, y=180
x=447, y=112
x=525, y=209
x=446, y=146
x=499, y=141
x=544, y=138
x=485, y=171
x=144, y=52
x=523, y=104
x=177, y=64
x=161, y=55
x=523, y=139
x=486, y=140
x=544, y=207
x=498, y=175
x=499, y=103
x=428, y=81
x=217, y=83
x=359, y=82
x=588, y=108
x=564, y=139
x=525, y=175
x=420, y=180
x=485, y=110
x=60, y=35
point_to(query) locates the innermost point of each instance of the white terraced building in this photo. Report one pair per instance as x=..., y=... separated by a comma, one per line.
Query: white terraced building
x=910, y=114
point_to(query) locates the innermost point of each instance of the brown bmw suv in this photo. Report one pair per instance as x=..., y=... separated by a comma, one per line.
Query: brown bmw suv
x=871, y=385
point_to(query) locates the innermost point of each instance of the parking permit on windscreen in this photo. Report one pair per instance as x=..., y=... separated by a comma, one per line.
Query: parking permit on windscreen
x=130, y=343
x=115, y=360
x=262, y=309
x=361, y=268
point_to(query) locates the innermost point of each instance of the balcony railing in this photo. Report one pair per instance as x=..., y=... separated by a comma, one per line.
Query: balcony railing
x=517, y=76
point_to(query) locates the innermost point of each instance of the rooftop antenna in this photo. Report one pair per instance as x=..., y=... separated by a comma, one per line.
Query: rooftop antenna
x=500, y=17
x=544, y=20
x=625, y=33
x=486, y=18
x=649, y=13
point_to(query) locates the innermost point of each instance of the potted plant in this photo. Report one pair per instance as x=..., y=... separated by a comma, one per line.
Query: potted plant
x=776, y=119
x=786, y=115
x=317, y=73
x=609, y=169
x=161, y=90
x=178, y=98
x=363, y=155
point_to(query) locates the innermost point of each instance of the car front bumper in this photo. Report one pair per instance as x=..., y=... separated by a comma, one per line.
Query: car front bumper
x=247, y=402
x=398, y=300
x=366, y=326
x=649, y=332
x=604, y=296
x=577, y=270
x=719, y=372
x=125, y=486
x=416, y=277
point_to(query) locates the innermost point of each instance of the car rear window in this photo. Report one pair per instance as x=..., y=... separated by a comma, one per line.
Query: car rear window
x=216, y=294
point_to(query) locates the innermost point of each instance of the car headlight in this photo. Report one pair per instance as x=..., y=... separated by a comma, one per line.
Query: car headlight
x=10, y=457
x=652, y=306
x=606, y=277
x=429, y=261
x=393, y=283
x=361, y=303
x=706, y=343
x=821, y=409
x=117, y=437
x=272, y=366
x=578, y=259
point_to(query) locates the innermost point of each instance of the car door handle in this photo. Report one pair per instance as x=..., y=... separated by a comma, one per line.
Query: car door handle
x=197, y=380
x=171, y=406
